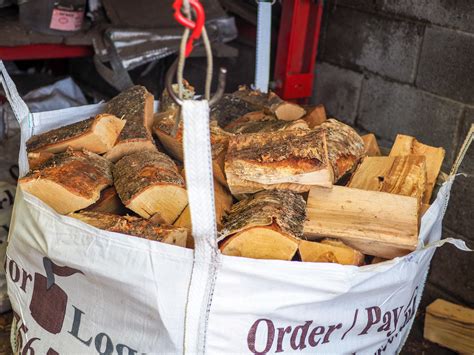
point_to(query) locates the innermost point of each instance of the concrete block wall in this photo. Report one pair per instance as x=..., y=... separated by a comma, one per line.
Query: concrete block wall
x=407, y=66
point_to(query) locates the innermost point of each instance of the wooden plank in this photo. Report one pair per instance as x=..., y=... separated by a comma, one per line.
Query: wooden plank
x=330, y=251
x=406, y=145
x=450, y=325
x=371, y=146
x=375, y=223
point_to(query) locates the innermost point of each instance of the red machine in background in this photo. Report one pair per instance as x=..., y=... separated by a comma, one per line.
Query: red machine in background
x=298, y=39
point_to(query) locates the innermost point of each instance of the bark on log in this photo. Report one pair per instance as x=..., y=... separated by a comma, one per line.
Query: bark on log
x=406, y=145
x=259, y=122
x=136, y=106
x=330, y=251
x=230, y=108
x=134, y=226
x=345, y=147
x=284, y=159
x=375, y=223
x=267, y=225
x=149, y=183
x=96, y=134
x=69, y=181
x=270, y=103
x=36, y=159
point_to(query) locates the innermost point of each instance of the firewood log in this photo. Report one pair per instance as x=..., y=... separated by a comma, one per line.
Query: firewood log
x=135, y=226
x=271, y=103
x=167, y=104
x=109, y=202
x=278, y=160
x=402, y=175
x=36, y=159
x=230, y=108
x=69, y=181
x=267, y=225
x=136, y=106
x=406, y=145
x=315, y=115
x=371, y=146
x=450, y=325
x=330, y=251
x=259, y=124
x=163, y=127
x=223, y=204
x=345, y=147
x=375, y=223
x=149, y=183
x=96, y=134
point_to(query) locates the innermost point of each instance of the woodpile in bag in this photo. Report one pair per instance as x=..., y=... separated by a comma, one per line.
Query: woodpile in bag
x=289, y=182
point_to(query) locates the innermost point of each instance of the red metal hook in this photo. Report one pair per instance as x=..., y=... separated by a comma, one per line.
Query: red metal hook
x=196, y=26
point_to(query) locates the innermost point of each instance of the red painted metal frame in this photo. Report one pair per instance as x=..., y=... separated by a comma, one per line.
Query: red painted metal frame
x=298, y=39
x=44, y=51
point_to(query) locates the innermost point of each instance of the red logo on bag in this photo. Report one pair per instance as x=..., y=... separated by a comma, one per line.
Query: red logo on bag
x=49, y=301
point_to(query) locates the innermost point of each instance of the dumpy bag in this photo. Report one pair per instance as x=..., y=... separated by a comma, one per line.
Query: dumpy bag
x=77, y=289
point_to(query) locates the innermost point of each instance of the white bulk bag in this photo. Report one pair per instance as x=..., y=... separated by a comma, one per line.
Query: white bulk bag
x=77, y=289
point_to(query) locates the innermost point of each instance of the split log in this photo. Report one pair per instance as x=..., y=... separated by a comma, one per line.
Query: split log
x=330, y=251
x=136, y=106
x=109, y=202
x=167, y=103
x=293, y=160
x=406, y=145
x=149, y=183
x=315, y=115
x=230, y=108
x=258, y=122
x=134, y=226
x=270, y=103
x=69, y=181
x=375, y=223
x=371, y=146
x=163, y=127
x=36, y=159
x=345, y=147
x=223, y=204
x=96, y=134
x=450, y=325
x=267, y=225
x=402, y=175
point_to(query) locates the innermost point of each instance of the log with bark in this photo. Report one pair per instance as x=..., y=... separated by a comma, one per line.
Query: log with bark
x=223, y=204
x=135, y=105
x=69, y=181
x=406, y=145
x=268, y=225
x=163, y=127
x=109, y=202
x=270, y=103
x=402, y=175
x=450, y=325
x=375, y=223
x=330, y=251
x=371, y=146
x=36, y=159
x=259, y=122
x=149, y=183
x=96, y=134
x=295, y=159
x=230, y=108
x=134, y=226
